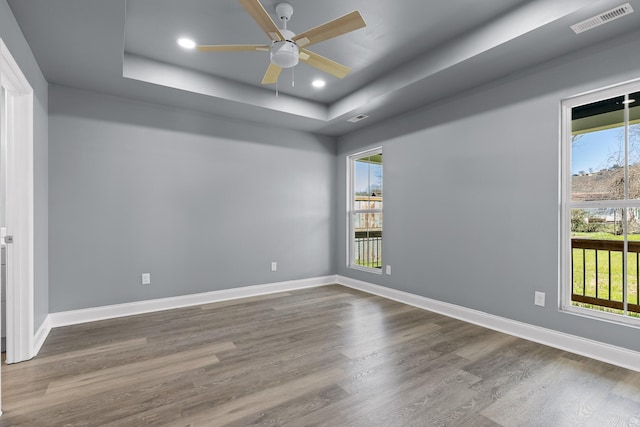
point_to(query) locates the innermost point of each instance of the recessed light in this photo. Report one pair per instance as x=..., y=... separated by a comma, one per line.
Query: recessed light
x=186, y=43
x=318, y=83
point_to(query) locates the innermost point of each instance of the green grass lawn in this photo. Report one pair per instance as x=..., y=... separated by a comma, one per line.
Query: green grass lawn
x=372, y=264
x=606, y=273
x=605, y=236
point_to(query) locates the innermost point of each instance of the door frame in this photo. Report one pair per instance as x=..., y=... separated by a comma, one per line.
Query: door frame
x=20, y=212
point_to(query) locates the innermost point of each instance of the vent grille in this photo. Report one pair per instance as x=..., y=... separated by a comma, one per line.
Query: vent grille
x=357, y=118
x=603, y=18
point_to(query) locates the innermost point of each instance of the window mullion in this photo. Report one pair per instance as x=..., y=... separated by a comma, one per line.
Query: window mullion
x=626, y=210
x=595, y=204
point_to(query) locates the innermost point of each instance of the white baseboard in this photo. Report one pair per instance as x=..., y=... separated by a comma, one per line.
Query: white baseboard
x=65, y=318
x=41, y=335
x=596, y=350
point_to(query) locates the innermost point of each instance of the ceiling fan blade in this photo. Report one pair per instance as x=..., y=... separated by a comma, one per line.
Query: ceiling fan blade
x=233, y=48
x=345, y=24
x=260, y=15
x=272, y=74
x=324, y=64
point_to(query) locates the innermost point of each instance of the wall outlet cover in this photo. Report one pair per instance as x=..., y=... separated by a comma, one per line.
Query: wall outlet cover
x=539, y=299
x=146, y=278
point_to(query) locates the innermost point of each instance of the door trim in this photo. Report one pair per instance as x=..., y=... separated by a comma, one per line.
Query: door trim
x=20, y=212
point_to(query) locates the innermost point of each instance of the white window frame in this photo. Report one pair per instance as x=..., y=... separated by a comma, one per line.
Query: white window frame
x=566, y=205
x=351, y=211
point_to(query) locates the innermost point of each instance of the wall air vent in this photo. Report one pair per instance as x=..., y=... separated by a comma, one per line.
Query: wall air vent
x=357, y=118
x=603, y=18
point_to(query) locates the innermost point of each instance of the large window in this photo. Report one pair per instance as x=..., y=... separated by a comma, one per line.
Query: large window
x=364, y=172
x=601, y=204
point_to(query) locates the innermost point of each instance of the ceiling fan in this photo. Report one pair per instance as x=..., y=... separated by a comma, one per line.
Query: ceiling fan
x=286, y=47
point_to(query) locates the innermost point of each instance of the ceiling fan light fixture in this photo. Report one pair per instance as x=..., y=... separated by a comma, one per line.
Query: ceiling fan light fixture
x=284, y=54
x=186, y=43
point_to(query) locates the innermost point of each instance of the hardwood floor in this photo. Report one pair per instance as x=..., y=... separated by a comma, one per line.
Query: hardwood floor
x=327, y=356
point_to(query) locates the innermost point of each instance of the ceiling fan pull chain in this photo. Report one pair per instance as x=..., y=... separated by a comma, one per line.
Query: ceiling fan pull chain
x=276, y=88
x=293, y=77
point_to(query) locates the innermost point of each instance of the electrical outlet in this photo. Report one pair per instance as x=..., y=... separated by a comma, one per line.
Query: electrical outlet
x=146, y=278
x=539, y=299
x=388, y=270
x=274, y=266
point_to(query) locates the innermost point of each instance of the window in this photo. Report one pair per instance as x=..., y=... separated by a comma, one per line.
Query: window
x=601, y=204
x=364, y=173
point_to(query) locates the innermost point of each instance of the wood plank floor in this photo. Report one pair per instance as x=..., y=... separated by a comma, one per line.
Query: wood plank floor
x=329, y=356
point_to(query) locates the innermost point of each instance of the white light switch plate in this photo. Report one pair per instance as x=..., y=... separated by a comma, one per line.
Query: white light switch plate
x=388, y=269
x=274, y=266
x=146, y=278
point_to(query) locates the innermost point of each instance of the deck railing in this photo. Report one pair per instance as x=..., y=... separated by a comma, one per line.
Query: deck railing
x=368, y=251
x=597, y=268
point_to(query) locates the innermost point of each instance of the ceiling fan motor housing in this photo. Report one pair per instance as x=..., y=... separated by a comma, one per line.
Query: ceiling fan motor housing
x=284, y=54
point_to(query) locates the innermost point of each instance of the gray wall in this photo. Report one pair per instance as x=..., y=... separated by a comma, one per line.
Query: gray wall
x=200, y=202
x=21, y=52
x=471, y=193
x=204, y=203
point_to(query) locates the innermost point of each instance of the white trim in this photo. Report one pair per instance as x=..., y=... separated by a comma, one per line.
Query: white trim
x=41, y=335
x=20, y=215
x=348, y=205
x=366, y=269
x=73, y=317
x=602, y=316
x=564, y=229
x=614, y=355
x=621, y=203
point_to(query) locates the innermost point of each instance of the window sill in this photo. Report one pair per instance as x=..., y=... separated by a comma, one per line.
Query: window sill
x=366, y=269
x=617, y=319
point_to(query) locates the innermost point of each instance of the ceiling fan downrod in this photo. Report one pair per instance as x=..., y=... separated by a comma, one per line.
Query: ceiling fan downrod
x=284, y=11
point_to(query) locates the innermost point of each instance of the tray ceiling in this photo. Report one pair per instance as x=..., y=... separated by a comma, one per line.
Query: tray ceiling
x=411, y=53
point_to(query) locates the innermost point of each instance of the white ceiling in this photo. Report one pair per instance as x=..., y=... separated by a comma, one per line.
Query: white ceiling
x=411, y=53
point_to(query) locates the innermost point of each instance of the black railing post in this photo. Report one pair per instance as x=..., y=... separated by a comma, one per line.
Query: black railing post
x=596, y=272
x=609, y=293
x=584, y=271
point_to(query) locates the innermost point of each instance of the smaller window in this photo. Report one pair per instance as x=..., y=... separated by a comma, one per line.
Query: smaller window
x=364, y=173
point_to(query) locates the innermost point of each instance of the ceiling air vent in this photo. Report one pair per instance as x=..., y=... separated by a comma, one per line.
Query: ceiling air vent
x=603, y=18
x=357, y=118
